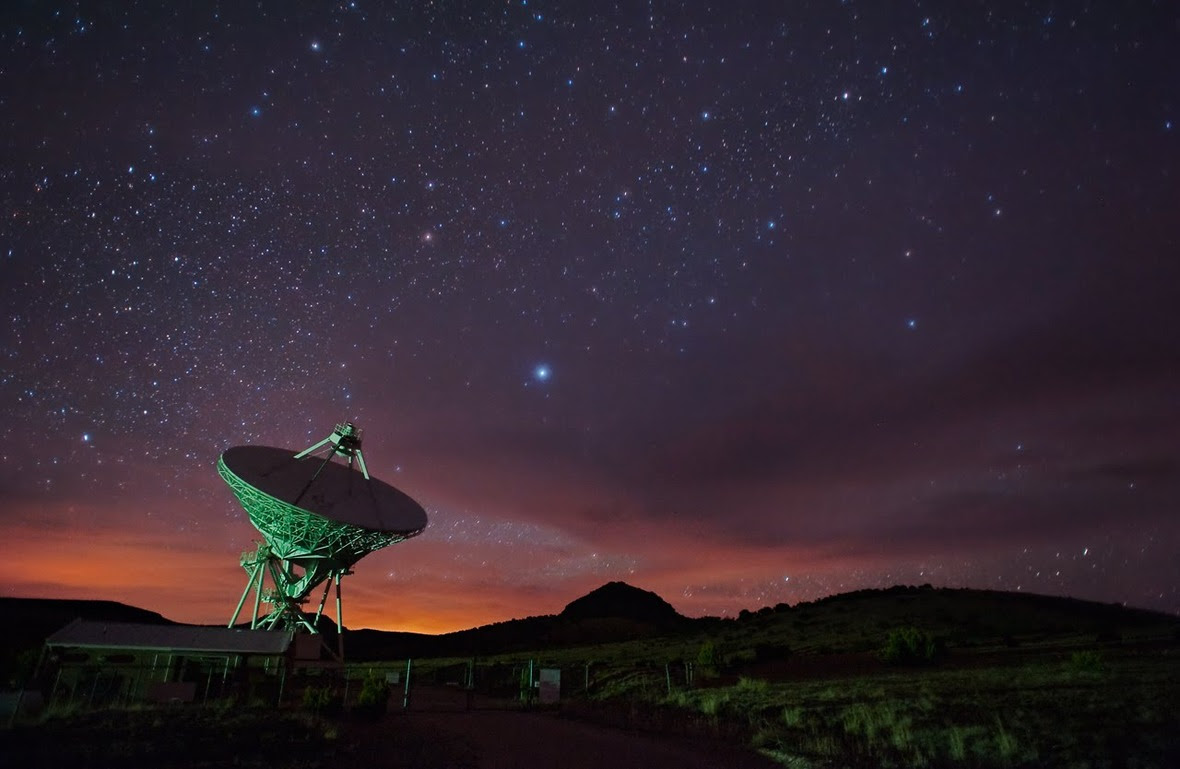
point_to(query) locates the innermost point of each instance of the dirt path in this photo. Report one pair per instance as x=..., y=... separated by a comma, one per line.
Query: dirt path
x=489, y=736
x=499, y=739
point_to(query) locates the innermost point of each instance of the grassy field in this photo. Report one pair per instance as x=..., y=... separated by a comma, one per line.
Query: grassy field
x=250, y=738
x=1084, y=710
x=984, y=686
x=164, y=737
x=1062, y=704
x=907, y=677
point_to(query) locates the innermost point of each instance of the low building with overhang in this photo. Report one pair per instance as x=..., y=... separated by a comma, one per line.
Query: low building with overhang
x=100, y=664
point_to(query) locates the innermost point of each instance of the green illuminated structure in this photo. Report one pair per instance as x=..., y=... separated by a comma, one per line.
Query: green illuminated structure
x=318, y=517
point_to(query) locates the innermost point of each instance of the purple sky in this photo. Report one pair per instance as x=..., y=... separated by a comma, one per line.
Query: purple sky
x=741, y=304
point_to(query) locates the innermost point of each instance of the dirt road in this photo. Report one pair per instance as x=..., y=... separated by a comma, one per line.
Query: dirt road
x=491, y=737
x=497, y=739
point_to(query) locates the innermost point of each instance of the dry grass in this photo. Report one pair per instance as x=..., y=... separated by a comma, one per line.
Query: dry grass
x=1044, y=714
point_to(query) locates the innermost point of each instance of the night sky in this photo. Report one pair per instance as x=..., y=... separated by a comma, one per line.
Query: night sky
x=743, y=303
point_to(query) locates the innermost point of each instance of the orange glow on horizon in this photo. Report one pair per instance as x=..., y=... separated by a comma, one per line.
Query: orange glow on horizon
x=154, y=571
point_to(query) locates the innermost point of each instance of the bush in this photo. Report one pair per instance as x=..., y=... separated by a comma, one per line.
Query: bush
x=707, y=656
x=739, y=657
x=752, y=685
x=319, y=699
x=374, y=696
x=910, y=646
x=713, y=702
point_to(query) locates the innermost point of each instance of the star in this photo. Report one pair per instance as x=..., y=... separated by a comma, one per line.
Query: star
x=701, y=225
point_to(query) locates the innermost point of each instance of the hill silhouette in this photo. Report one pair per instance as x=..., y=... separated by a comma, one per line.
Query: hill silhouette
x=30, y=620
x=623, y=601
x=612, y=613
x=617, y=612
x=850, y=622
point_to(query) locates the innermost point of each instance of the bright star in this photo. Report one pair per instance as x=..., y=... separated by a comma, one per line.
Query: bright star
x=542, y=372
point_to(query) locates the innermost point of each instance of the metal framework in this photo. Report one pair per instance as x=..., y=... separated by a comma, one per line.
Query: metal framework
x=345, y=440
x=302, y=550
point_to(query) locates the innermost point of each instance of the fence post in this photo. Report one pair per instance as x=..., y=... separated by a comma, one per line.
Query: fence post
x=406, y=694
x=93, y=689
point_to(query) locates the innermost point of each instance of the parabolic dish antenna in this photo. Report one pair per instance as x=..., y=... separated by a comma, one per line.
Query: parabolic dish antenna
x=318, y=517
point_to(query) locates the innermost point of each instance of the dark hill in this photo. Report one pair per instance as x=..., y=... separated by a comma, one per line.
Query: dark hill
x=614, y=612
x=28, y=621
x=622, y=601
x=961, y=618
x=850, y=622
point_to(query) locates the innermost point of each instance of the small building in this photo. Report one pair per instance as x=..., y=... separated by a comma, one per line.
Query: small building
x=96, y=664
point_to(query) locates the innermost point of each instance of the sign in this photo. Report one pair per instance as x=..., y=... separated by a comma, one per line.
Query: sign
x=550, y=685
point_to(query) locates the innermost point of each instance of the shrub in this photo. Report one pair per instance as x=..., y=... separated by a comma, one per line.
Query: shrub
x=713, y=702
x=707, y=656
x=740, y=657
x=318, y=699
x=1006, y=743
x=374, y=696
x=752, y=685
x=910, y=646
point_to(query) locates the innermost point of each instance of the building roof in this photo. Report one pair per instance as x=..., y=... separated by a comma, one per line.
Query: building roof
x=174, y=638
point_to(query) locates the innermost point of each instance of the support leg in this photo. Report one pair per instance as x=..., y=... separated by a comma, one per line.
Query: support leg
x=257, y=598
x=339, y=622
x=242, y=601
x=323, y=600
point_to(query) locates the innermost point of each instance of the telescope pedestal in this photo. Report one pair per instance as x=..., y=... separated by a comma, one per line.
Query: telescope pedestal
x=287, y=595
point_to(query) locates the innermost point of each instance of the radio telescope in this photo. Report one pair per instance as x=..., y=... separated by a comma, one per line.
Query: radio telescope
x=318, y=517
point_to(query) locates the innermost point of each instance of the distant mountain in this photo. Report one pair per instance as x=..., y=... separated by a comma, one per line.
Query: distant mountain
x=622, y=601
x=28, y=621
x=971, y=615
x=849, y=622
x=614, y=612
